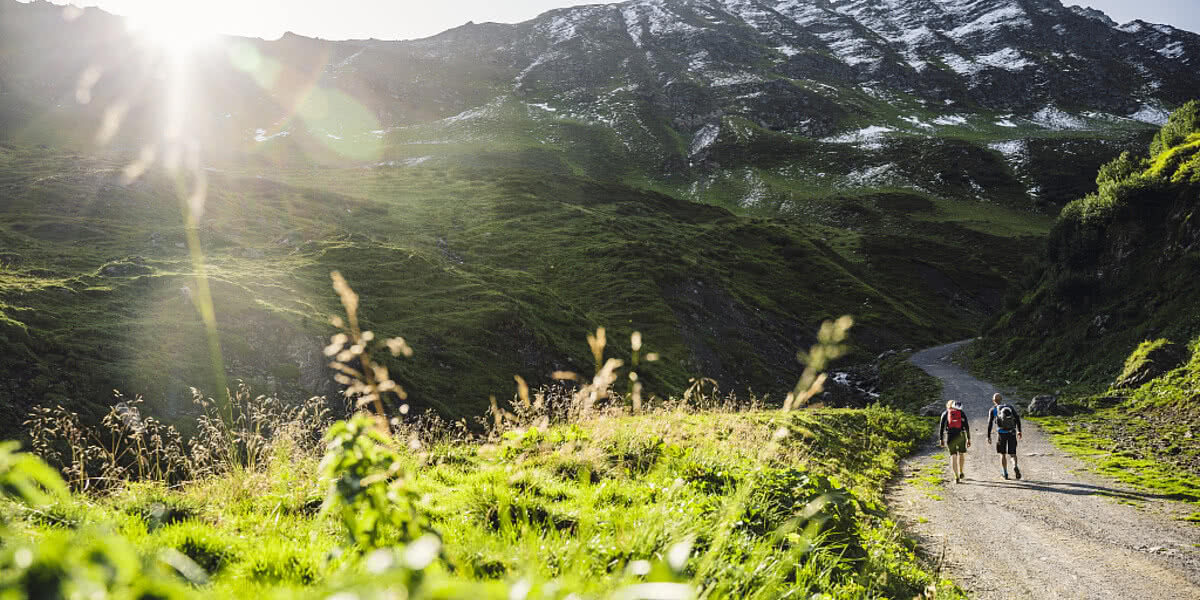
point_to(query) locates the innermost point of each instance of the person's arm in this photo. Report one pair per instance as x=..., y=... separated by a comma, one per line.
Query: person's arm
x=967, y=427
x=942, y=428
x=1018, y=415
x=991, y=418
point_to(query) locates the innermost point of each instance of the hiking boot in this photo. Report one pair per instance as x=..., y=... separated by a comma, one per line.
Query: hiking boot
x=956, y=478
x=1006, y=474
x=1017, y=472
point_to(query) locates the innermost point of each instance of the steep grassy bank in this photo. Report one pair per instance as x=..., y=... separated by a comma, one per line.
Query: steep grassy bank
x=1110, y=320
x=485, y=270
x=757, y=505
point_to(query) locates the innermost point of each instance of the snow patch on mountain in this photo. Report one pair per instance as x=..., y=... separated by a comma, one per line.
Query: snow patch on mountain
x=1008, y=59
x=469, y=114
x=704, y=138
x=871, y=138
x=260, y=135
x=652, y=16
x=349, y=59
x=1009, y=15
x=879, y=175
x=752, y=13
x=916, y=122
x=961, y=65
x=1016, y=152
x=1172, y=50
x=728, y=79
x=802, y=12
x=537, y=62
x=850, y=48
x=951, y=120
x=1051, y=117
x=756, y=190
x=1155, y=115
x=562, y=28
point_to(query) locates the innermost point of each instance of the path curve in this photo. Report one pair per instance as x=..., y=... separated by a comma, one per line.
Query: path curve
x=1061, y=533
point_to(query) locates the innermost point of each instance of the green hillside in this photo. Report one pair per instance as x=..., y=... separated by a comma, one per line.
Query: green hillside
x=1112, y=318
x=1120, y=268
x=489, y=272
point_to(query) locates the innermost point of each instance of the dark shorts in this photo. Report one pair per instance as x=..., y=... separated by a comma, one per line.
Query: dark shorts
x=957, y=444
x=1007, y=443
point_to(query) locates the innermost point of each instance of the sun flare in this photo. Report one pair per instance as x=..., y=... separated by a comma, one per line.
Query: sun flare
x=176, y=31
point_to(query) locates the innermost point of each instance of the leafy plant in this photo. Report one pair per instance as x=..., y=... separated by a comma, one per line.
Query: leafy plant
x=369, y=489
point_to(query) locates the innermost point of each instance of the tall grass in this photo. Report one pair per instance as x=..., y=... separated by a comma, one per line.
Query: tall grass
x=574, y=490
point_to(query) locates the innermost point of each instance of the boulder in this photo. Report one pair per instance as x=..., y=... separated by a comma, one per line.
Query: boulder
x=853, y=388
x=1150, y=360
x=1043, y=405
x=932, y=410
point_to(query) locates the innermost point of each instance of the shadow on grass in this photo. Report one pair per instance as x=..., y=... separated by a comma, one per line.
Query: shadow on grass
x=1083, y=489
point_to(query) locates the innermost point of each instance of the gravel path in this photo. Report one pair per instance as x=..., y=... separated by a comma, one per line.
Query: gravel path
x=1062, y=532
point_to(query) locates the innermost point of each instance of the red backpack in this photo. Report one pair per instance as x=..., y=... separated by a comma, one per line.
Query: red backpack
x=954, y=419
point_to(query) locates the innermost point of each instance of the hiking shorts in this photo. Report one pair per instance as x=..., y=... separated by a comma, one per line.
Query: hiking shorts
x=957, y=444
x=1007, y=443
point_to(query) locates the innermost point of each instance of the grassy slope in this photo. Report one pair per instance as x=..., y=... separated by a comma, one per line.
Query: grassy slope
x=1122, y=270
x=488, y=273
x=576, y=504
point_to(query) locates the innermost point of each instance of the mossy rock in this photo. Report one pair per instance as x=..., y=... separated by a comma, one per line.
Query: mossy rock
x=1151, y=359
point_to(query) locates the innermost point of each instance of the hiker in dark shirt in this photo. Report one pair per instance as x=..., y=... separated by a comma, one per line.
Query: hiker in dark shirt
x=954, y=434
x=1008, y=428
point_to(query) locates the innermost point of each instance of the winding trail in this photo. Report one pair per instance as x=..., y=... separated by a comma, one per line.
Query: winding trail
x=1062, y=532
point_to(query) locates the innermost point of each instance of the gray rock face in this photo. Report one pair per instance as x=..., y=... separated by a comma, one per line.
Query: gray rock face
x=1156, y=362
x=932, y=410
x=1043, y=405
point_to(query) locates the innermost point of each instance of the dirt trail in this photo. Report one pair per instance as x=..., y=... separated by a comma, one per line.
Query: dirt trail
x=1061, y=532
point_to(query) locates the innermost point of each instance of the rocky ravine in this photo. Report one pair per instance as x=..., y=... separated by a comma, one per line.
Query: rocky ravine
x=1061, y=532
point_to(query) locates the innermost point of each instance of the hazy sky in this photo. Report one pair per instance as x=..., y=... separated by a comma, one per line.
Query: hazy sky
x=405, y=19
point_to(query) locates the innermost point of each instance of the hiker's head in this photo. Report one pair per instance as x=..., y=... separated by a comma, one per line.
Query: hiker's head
x=953, y=404
x=996, y=398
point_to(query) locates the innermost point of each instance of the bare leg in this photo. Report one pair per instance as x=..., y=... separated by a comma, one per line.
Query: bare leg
x=962, y=464
x=954, y=465
x=1004, y=462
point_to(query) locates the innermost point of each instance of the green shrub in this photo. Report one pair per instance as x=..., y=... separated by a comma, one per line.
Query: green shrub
x=1181, y=124
x=1120, y=168
x=367, y=490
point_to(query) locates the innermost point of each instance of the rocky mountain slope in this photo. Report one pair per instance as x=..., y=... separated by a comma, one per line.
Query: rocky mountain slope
x=751, y=104
x=1111, y=318
x=1119, y=269
x=497, y=191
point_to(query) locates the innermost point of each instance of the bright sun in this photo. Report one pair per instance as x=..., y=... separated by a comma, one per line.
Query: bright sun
x=177, y=31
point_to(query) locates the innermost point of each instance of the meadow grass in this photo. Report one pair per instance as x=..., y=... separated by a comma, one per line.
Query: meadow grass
x=579, y=508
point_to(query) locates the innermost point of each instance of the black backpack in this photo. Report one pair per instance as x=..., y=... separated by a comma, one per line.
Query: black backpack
x=1006, y=417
